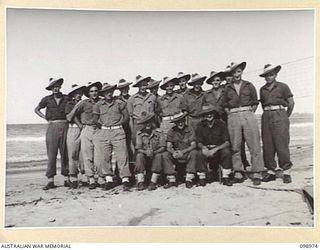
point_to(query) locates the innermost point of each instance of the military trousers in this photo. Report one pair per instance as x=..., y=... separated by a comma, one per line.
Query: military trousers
x=74, y=152
x=275, y=138
x=193, y=161
x=56, y=140
x=110, y=141
x=245, y=124
x=88, y=149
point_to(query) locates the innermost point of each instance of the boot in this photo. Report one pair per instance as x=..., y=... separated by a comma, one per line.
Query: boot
x=50, y=185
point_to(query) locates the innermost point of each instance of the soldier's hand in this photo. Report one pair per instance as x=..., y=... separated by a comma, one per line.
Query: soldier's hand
x=175, y=155
x=149, y=152
x=205, y=152
x=213, y=151
x=180, y=154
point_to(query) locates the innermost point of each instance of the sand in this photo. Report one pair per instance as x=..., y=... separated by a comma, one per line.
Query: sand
x=272, y=204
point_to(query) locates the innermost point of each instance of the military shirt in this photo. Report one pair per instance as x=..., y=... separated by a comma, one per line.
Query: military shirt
x=179, y=91
x=155, y=140
x=139, y=103
x=181, y=139
x=123, y=98
x=111, y=114
x=169, y=105
x=216, y=135
x=278, y=95
x=54, y=111
x=247, y=97
x=85, y=110
x=214, y=97
x=192, y=103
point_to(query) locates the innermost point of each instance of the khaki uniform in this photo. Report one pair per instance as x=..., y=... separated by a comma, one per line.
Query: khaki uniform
x=275, y=126
x=192, y=104
x=111, y=137
x=153, y=141
x=84, y=109
x=214, y=97
x=135, y=106
x=168, y=107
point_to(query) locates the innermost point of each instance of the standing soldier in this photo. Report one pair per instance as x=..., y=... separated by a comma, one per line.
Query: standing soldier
x=73, y=137
x=214, y=96
x=124, y=87
x=213, y=139
x=56, y=130
x=169, y=104
x=110, y=114
x=240, y=102
x=182, y=149
x=192, y=100
x=138, y=103
x=150, y=147
x=89, y=129
x=275, y=97
x=182, y=81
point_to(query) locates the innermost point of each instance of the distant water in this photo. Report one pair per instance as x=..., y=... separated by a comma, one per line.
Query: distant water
x=26, y=142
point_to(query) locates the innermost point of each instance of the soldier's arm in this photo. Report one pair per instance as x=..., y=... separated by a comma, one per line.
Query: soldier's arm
x=193, y=145
x=139, y=145
x=290, y=106
x=170, y=147
x=77, y=122
x=159, y=150
x=125, y=113
x=41, y=105
x=74, y=111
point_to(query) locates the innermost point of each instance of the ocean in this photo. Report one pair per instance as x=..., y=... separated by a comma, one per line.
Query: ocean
x=26, y=142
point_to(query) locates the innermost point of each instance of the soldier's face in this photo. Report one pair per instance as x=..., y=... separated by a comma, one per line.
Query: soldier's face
x=154, y=90
x=108, y=95
x=169, y=89
x=143, y=87
x=125, y=91
x=183, y=83
x=197, y=87
x=181, y=124
x=237, y=73
x=56, y=89
x=271, y=77
x=93, y=92
x=209, y=117
x=216, y=82
x=229, y=79
x=78, y=95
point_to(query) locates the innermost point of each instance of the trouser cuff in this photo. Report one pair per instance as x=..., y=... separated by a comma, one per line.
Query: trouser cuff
x=73, y=178
x=171, y=178
x=288, y=171
x=225, y=173
x=154, y=177
x=140, y=177
x=201, y=175
x=189, y=177
x=92, y=180
x=109, y=178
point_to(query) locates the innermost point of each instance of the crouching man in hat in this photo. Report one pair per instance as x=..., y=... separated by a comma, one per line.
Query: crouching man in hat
x=110, y=114
x=56, y=130
x=181, y=148
x=277, y=102
x=73, y=137
x=213, y=140
x=240, y=102
x=149, y=150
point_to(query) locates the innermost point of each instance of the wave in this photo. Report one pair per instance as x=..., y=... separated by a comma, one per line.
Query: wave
x=26, y=139
x=303, y=124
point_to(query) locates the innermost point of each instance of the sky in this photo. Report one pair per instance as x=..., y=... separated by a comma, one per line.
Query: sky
x=87, y=45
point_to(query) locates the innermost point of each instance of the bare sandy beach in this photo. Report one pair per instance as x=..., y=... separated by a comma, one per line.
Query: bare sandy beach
x=271, y=204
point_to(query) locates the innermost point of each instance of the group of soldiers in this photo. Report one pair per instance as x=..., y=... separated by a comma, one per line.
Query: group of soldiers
x=186, y=135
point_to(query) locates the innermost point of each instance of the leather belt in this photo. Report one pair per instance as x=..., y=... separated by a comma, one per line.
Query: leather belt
x=273, y=107
x=241, y=109
x=167, y=118
x=111, y=127
x=57, y=121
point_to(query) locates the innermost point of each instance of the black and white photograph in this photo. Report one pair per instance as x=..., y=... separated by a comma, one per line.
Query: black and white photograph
x=159, y=118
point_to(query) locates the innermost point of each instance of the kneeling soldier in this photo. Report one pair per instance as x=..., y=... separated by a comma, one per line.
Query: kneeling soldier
x=149, y=149
x=213, y=139
x=181, y=148
x=111, y=114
